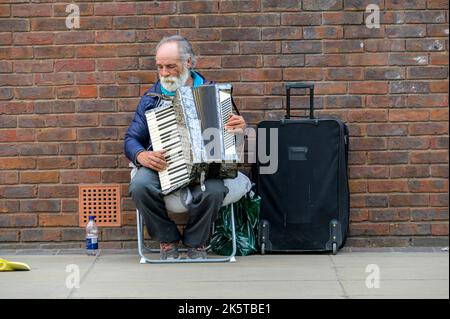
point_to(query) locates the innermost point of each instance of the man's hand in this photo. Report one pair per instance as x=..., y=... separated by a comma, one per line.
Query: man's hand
x=153, y=159
x=235, y=124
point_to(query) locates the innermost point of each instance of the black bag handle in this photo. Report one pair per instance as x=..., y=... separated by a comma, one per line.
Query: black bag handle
x=290, y=86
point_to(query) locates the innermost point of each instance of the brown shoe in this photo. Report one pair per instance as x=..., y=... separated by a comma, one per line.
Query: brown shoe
x=169, y=251
x=197, y=253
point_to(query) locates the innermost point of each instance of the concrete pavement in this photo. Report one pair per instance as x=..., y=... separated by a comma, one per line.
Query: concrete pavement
x=352, y=273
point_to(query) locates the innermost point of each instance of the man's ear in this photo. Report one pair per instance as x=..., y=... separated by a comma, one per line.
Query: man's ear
x=189, y=63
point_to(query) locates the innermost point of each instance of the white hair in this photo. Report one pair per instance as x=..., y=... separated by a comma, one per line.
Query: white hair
x=184, y=47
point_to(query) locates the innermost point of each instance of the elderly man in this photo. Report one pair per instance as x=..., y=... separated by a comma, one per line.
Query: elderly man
x=175, y=61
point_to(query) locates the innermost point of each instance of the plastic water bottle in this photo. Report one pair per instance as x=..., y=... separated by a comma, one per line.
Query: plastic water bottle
x=91, y=237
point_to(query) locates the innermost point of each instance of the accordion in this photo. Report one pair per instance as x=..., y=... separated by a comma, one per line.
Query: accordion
x=191, y=130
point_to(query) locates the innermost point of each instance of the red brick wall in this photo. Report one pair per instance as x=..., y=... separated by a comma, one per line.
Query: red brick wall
x=67, y=97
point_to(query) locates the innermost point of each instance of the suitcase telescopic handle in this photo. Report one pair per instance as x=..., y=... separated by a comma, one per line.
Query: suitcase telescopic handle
x=309, y=86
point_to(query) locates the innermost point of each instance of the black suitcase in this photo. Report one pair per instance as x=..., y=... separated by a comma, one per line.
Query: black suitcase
x=305, y=203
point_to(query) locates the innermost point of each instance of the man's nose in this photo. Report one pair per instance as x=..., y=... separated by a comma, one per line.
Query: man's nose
x=164, y=71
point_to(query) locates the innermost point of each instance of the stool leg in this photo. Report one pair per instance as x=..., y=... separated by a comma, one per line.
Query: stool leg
x=233, y=235
x=140, y=236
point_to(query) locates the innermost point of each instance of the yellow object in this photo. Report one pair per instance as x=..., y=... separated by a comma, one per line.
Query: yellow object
x=6, y=265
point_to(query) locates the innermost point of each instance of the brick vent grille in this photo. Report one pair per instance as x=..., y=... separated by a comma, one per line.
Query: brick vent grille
x=103, y=202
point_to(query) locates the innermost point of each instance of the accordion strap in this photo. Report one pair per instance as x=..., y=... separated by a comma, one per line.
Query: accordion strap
x=160, y=96
x=234, y=104
x=154, y=94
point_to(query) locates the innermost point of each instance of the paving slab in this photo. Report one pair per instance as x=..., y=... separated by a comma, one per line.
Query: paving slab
x=346, y=275
x=47, y=278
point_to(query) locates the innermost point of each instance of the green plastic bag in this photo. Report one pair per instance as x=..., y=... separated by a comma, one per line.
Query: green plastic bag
x=246, y=218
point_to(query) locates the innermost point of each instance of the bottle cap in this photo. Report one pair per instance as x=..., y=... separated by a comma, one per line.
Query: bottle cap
x=91, y=217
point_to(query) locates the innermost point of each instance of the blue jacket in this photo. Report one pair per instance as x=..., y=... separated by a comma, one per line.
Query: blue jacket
x=137, y=138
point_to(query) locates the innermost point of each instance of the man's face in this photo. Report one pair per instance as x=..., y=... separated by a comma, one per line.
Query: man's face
x=173, y=72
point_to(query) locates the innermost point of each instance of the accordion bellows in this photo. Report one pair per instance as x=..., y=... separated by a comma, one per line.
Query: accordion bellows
x=191, y=130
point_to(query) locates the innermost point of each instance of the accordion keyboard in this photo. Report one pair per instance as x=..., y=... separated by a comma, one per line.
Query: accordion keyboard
x=163, y=130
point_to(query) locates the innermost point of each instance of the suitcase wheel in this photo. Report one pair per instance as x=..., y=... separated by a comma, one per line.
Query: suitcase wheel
x=334, y=248
x=263, y=248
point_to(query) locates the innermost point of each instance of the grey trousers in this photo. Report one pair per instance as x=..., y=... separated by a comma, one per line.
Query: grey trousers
x=145, y=190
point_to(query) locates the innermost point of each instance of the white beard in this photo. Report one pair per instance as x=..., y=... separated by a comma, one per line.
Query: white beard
x=172, y=83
